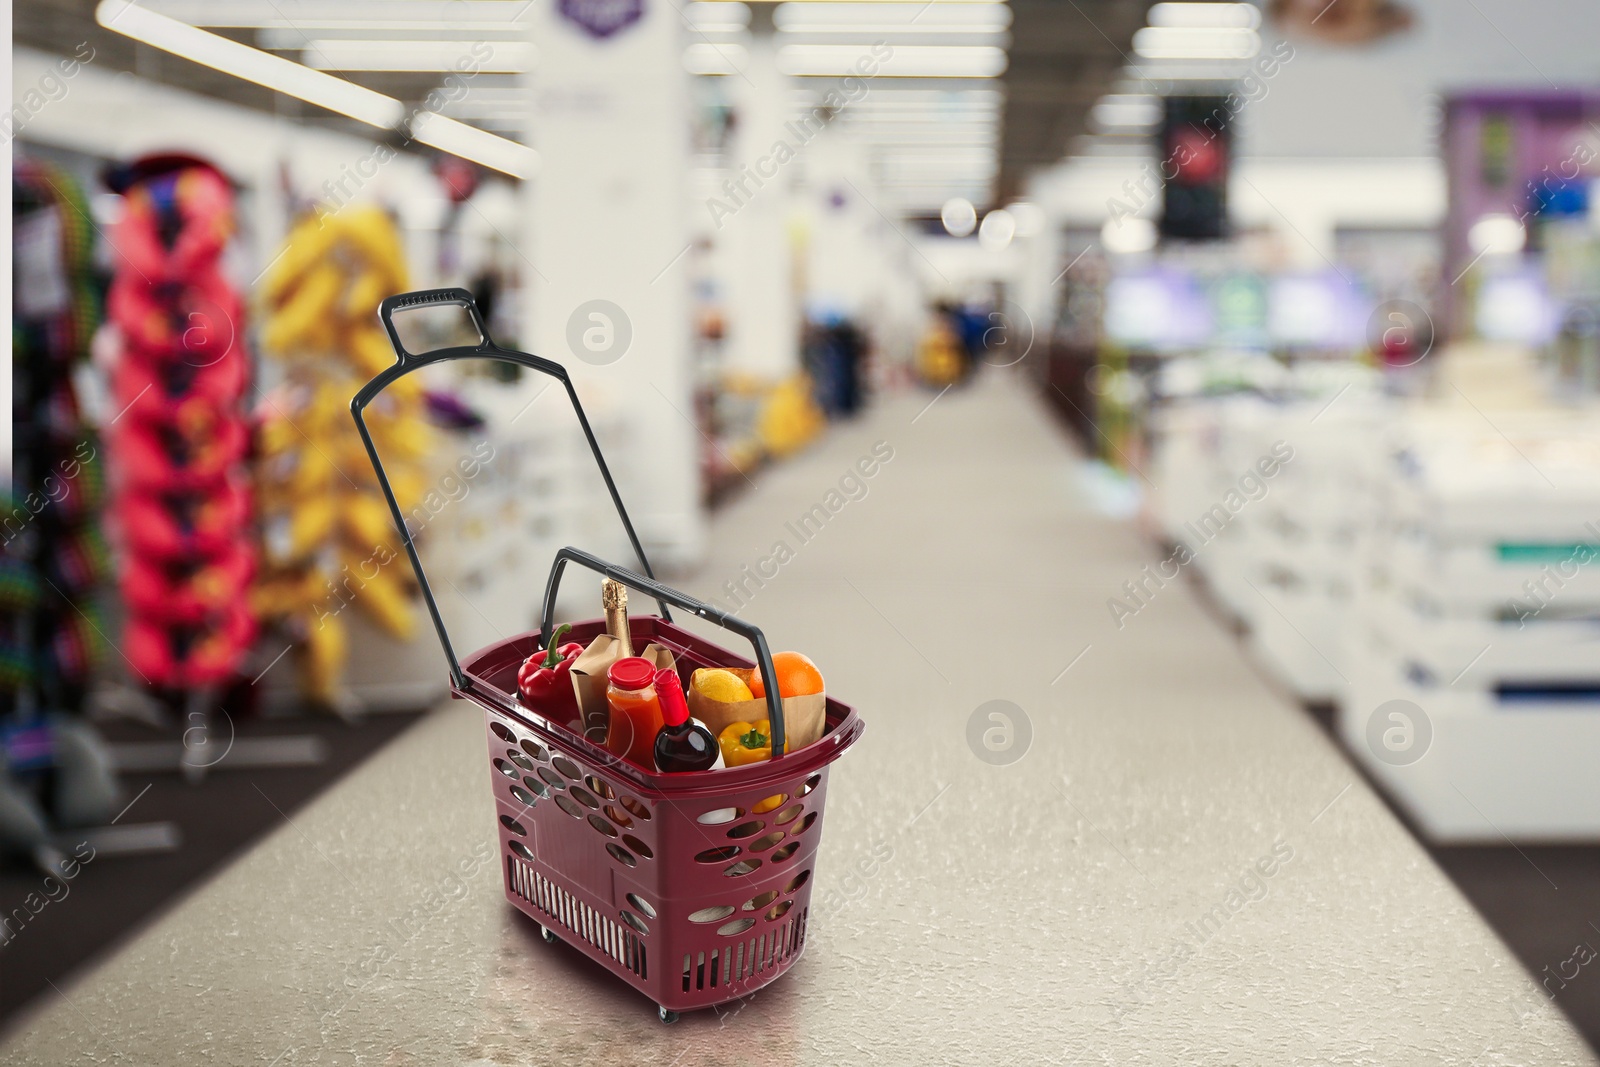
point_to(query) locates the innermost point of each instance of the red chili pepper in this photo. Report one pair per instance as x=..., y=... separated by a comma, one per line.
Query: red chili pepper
x=545, y=678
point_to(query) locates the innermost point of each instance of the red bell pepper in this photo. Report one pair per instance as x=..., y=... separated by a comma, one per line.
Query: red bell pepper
x=545, y=678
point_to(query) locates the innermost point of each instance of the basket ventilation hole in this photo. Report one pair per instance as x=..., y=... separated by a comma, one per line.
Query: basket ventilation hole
x=502, y=733
x=565, y=803
x=506, y=769
x=747, y=829
x=602, y=826
x=718, y=816
x=615, y=814
x=552, y=777
x=786, y=815
x=797, y=881
x=522, y=796
x=513, y=825
x=785, y=852
x=778, y=911
x=638, y=846
x=743, y=867
x=519, y=759
x=634, y=921
x=711, y=915
x=811, y=783
x=520, y=849
x=738, y=926
x=717, y=855
x=642, y=904
x=600, y=788
x=621, y=855
x=536, y=750
x=805, y=824
x=756, y=903
x=764, y=806
x=584, y=797
x=636, y=808
x=566, y=767
x=761, y=844
x=537, y=786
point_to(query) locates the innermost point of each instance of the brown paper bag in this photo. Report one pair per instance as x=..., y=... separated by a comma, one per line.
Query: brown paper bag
x=589, y=682
x=803, y=717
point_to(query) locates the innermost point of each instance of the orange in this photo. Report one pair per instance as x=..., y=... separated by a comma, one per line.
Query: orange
x=797, y=676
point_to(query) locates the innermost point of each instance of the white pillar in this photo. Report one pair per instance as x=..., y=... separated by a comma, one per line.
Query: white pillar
x=762, y=322
x=607, y=239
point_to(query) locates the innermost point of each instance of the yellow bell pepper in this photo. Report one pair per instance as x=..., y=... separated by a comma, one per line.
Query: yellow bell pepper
x=744, y=742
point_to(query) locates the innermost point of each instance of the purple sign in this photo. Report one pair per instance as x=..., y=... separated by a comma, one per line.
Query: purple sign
x=601, y=18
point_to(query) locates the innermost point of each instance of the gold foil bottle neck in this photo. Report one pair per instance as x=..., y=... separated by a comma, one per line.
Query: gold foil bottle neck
x=613, y=595
x=614, y=599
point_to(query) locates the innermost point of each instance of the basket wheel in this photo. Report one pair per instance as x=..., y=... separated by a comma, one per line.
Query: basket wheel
x=666, y=1016
x=549, y=935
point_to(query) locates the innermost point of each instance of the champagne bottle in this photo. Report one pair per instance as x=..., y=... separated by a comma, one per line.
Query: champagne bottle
x=614, y=599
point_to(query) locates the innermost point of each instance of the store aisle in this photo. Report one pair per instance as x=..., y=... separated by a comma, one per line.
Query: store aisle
x=1169, y=864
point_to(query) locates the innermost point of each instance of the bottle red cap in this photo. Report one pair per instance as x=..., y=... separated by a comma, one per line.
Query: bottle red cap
x=632, y=672
x=669, y=691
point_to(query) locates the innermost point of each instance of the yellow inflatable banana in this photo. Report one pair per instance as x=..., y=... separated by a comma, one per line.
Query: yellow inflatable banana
x=329, y=542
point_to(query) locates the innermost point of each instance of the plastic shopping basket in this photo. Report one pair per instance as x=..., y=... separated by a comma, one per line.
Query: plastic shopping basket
x=692, y=888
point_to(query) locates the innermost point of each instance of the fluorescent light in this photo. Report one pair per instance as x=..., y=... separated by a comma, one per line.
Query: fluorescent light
x=251, y=64
x=485, y=15
x=505, y=57
x=1164, y=42
x=1232, y=16
x=959, y=216
x=712, y=16
x=906, y=61
x=997, y=230
x=1128, y=236
x=1130, y=110
x=480, y=146
x=313, y=86
x=715, y=59
x=1497, y=235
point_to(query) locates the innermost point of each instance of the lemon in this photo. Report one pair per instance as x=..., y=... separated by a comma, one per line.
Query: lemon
x=717, y=684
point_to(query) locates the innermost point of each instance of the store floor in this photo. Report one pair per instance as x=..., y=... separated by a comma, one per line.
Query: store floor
x=217, y=818
x=1060, y=841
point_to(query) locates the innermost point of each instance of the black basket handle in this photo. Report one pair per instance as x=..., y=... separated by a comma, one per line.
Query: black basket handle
x=405, y=363
x=699, y=608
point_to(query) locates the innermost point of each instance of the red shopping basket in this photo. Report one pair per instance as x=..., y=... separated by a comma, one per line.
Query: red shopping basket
x=695, y=888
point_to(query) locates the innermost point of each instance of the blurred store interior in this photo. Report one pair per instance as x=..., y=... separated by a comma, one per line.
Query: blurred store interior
x=1268, y=329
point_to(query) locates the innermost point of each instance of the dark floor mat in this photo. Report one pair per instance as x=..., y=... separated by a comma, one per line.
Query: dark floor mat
x=112, y=896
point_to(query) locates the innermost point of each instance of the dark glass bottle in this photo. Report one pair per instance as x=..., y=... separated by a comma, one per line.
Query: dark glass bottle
x=683, y=744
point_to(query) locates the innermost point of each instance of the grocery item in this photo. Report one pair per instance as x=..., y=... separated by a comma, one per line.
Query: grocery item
x=718, y=684
x=683, y=744
x=545, y=678
x=797, y=676
x=744, y=742
x=614, y=599
x=635, y=710
x=730, y=695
